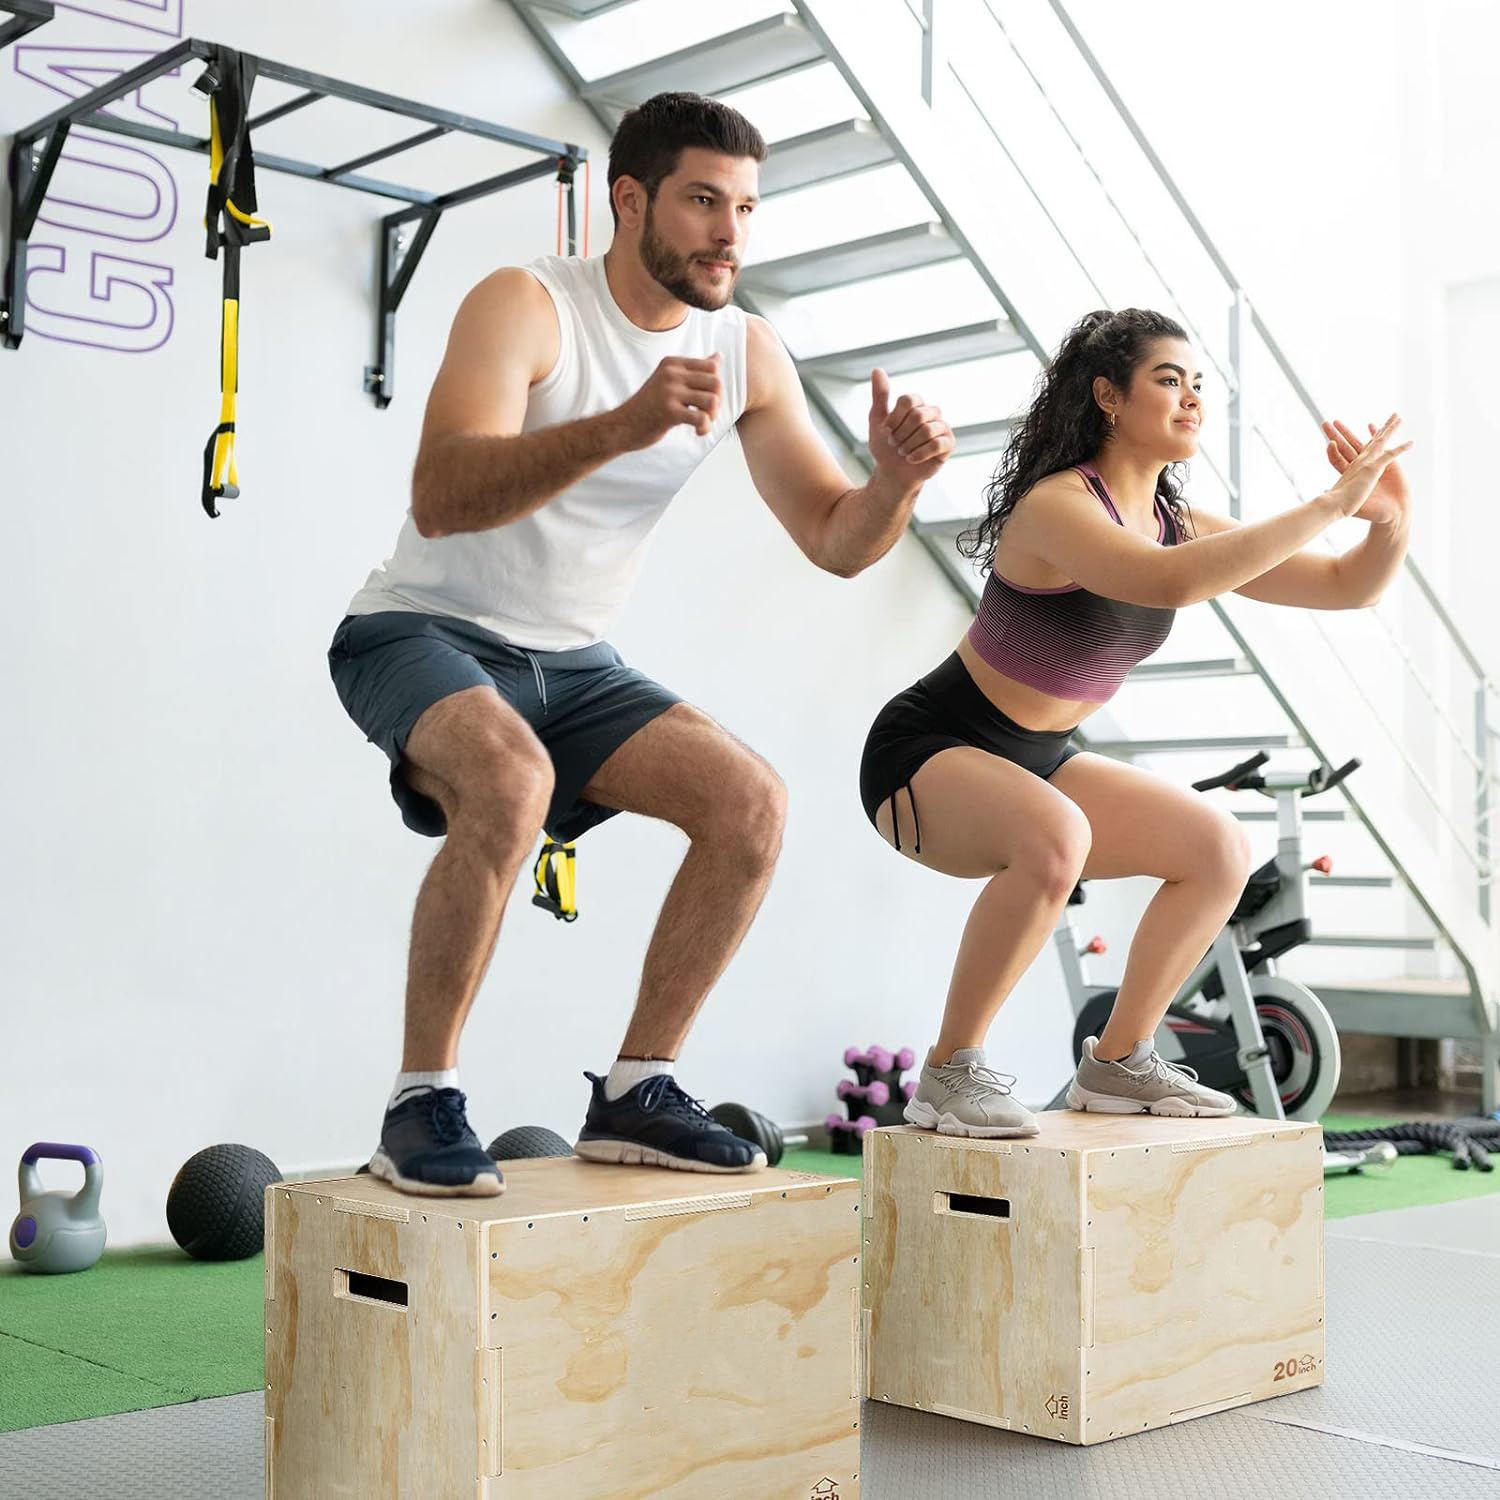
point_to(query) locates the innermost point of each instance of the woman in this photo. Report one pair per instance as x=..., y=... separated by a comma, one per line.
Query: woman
x=1090, y=549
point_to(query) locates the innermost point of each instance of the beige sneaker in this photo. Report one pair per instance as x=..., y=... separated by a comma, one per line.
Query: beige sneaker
x=964, y=1097
x=1144, y=1083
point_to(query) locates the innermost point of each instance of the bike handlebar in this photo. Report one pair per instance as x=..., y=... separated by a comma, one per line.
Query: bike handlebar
x=1318, y=782
x=1235, y=776
x=1244, y=777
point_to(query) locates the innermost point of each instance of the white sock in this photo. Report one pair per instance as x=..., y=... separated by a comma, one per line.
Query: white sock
x=1136, y=1058
x=447, y=1078
x=629, y=1071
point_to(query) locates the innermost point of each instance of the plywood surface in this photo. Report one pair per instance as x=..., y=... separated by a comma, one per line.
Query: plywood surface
x=1110, y=1274
x=617, y=1333
x=752, y=1393
x=366, y=1399
x=973, y=1316
x=561, y=1185
x=1208, y=1279
x=1074, y=1130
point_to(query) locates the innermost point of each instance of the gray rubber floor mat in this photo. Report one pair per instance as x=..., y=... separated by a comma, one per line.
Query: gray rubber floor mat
x=200, y=1450
x=1469, y=1224
x=909, y=1454
x=1409, y=1410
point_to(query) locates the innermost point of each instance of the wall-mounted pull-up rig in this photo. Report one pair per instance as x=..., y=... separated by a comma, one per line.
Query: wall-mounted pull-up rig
x=227, y=81
x=25, y=15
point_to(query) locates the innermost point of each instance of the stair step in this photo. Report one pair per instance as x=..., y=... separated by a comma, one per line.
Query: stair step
x=1405, y=944
x=940, y=539
x=1404, y=1006
x=852, y=260
x=832, y=151
x=923, y=351
x=1309, y=815
x=1174, y=671
x=980, y=437
x=578, y=10
x=1198, y=742
x=1364, y=882
x=764, y=49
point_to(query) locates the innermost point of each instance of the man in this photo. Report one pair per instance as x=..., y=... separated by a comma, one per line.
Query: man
x=575, y=399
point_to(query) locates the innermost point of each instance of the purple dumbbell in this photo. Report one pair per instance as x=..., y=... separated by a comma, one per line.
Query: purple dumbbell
x=862, y=1124
x=905, y=1058
x=908, y=1089
x=878, y=1093
x=881, y=1060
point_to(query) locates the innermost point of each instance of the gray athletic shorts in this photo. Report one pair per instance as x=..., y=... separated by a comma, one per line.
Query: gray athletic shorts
x=390, y=668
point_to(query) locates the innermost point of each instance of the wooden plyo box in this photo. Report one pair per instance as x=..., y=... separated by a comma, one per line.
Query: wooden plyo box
x=620, y=1333
x=1110, y=1274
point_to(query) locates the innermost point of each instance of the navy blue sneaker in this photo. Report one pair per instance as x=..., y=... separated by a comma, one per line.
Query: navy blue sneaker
x=655, y=1124
x=426, y=1147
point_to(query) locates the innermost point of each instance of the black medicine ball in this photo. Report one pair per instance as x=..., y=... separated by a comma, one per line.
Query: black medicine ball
x=528, y=1140
x=216, y=1208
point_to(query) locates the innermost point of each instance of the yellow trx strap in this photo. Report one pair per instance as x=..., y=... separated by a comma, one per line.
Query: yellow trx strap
x=556, y=877
x=230, y=223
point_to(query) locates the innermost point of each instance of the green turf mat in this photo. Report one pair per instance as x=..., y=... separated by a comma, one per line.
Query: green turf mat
x=142, y=1328
x=39, y=1386
x=151, y=1327
x=829, y=1163
x=1412, y=1182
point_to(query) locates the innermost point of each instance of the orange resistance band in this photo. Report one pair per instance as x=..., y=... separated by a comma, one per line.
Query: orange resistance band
x=584, y=207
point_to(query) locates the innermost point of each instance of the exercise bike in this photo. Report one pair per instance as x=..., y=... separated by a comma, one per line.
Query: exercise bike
x=1245, y=1029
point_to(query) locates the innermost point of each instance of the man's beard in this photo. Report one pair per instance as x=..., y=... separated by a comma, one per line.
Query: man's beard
x=673, y=272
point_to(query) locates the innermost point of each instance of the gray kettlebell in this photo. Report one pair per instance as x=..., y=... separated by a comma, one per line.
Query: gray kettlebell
x=58, y=1231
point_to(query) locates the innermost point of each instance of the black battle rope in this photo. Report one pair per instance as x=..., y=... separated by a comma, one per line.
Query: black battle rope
x=1466, y=1140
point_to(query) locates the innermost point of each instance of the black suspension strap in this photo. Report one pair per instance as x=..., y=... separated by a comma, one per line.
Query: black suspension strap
x=556, y=880
x=230, y=224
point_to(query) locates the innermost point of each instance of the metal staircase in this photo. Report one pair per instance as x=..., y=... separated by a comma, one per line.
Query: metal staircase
x=951, y=183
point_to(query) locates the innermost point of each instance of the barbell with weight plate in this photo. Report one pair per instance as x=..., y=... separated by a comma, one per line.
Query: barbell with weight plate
x=750, y=1125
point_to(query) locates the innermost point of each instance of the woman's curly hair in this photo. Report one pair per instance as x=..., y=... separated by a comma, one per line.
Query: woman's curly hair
x=1065, y=425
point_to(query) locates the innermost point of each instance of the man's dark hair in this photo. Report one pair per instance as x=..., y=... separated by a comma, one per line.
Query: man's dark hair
x=651, y=138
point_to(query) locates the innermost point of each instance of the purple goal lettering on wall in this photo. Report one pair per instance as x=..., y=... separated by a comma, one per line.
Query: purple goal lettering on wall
x=106, y=301
x=79, y=290
x=115, y=191
x=73, y=71
x=164, y=16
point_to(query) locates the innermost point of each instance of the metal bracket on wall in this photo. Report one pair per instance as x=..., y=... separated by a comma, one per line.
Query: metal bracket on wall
x=26, y=15
x=403, y=235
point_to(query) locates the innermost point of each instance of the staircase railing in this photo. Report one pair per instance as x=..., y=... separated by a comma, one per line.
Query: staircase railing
x=1040, y=183
x=957, y=103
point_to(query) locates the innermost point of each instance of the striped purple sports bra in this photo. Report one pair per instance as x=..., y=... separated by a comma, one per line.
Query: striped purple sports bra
x=1066, y=641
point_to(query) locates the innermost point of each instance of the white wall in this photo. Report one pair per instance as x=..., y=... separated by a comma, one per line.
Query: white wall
x=1334, y=152
x=1339, y=153
x=1462, y=222
x=1472, y=331
x=206, y=888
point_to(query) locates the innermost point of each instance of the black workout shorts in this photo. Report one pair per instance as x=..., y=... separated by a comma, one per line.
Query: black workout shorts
x=943, y=709
x=389, y=668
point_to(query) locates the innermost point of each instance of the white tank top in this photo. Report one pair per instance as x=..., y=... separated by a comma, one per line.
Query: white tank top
x=556, y=579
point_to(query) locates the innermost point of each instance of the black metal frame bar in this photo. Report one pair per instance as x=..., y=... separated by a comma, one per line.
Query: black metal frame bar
x=35, y=151
x=26, y=16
